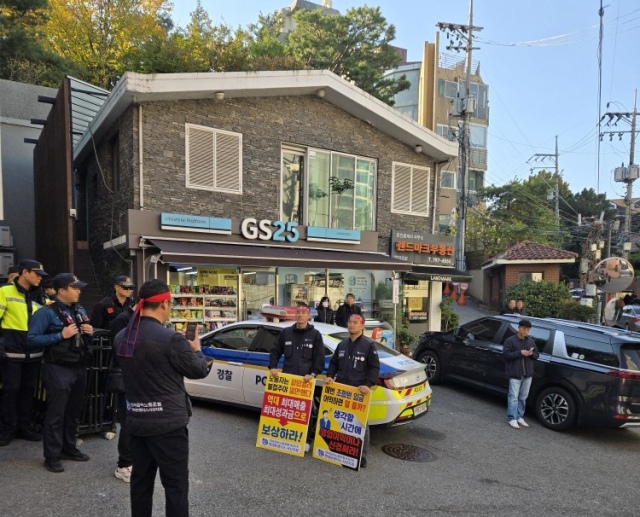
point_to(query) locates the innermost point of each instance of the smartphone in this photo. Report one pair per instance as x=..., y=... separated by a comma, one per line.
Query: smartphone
x=191, y=331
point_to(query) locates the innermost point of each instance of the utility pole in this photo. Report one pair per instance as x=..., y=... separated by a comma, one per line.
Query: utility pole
x=556, y=194
x=463, y=106
x=625, y=174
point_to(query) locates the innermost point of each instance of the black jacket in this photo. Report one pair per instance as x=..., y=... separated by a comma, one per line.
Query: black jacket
x=157, y=401
x=325, y=315
x=355, y=363
x=107, y=310
x=344, y=313
x=116, y=326
x=517, y=366
x=303, y=351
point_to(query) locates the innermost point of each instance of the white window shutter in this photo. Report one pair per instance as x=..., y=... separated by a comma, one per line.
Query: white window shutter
x=401, y=188
x=200, y=153
x=228, y=162
x=420, y=191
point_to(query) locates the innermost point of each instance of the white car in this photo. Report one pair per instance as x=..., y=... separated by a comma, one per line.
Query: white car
x=240, y=358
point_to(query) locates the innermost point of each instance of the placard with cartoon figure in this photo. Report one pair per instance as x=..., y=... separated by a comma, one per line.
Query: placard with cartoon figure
x=286, y=409
x=342, y=422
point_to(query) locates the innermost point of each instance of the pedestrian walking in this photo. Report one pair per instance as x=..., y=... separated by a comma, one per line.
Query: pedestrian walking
x=20, y=367
x=519, y=352
x=325, y=312
x=62, y=328
x=154, y=362
x=107, y=309
x=346, y=310
x=355, y=363
x=303, y=350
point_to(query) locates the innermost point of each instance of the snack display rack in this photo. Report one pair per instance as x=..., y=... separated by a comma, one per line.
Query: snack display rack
x=211, y=306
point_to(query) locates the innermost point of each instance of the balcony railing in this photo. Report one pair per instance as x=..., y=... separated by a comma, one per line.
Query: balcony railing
x=478, y=156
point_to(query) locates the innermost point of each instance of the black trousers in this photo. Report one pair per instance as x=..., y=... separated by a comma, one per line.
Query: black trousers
x=65, y=387
x=19, y=379
x=168, y=452
x=124, y=437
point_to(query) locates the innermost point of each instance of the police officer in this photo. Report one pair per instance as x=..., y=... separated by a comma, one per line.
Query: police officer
x=62, y=328
x=303, y=351
x=12, y=273
x=355, y=363
x=154, y=362
x=21, y=367
x=107, y=309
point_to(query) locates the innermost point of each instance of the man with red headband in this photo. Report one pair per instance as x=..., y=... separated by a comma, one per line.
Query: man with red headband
x=154, y=362
x=355, y=362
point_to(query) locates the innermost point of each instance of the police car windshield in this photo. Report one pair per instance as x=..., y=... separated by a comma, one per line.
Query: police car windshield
x=383, y=351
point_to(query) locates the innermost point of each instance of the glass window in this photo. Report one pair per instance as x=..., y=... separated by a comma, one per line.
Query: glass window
x=529, y=277
x=448, y=179
x=484, y=330
x=292, y=186
x=319, y=188
x=475, y=180
x=478, y=136
x=342, y=185
x=365, y=179
x=592, y=351
x=447, y=88
x=630, y=357
x=444, y=223
x=265, y=340
x=233, y=339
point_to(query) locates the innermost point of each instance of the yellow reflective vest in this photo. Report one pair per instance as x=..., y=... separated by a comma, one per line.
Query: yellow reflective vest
x=14, y=303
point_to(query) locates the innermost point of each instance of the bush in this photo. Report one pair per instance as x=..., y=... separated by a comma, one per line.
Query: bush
x=571, y=310
x=405, y=338
x=541, y=299
x=448, y=317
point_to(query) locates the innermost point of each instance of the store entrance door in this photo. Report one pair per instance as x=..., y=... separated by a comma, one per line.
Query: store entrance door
x=258, y=289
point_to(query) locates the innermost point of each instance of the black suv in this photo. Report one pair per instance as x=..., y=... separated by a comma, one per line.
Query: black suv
x=585, y=373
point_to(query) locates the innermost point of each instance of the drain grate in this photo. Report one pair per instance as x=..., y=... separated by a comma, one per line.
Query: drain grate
x=409, y=452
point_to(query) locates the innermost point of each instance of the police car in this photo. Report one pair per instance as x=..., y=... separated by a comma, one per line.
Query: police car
x=240, y=355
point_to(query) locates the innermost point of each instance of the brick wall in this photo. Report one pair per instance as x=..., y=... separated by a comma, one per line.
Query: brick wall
x=504, y=276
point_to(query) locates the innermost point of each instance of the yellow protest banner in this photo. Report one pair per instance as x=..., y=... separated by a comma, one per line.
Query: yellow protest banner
x=286, y=409
x=342, y=422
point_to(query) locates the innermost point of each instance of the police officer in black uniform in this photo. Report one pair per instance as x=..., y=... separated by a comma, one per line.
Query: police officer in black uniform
x=154, y=362
x=62, y=329
x=107, y=309
x=355, y=362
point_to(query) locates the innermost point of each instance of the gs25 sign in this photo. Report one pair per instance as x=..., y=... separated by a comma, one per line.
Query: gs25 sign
x=266, y=230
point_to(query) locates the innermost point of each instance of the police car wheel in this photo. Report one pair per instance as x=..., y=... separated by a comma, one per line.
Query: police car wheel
x=434, y=368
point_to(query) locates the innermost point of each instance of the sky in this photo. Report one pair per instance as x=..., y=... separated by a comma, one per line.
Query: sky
x=537, y=90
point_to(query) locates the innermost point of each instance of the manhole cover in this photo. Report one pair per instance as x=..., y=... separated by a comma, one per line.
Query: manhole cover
x=408, y=452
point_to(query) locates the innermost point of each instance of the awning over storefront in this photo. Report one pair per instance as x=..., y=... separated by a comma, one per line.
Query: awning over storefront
x=437, y=274
x=185, y=252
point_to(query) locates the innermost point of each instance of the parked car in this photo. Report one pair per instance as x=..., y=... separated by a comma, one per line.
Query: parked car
x=630, y=318
x=586, y=374
x=240, y=357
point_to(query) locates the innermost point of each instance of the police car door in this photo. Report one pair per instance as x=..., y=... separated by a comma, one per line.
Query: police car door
x=229, y=348
x=255, y=374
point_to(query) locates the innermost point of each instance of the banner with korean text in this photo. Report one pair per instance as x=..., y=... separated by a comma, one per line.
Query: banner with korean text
x=342, y=422
x=286, y=409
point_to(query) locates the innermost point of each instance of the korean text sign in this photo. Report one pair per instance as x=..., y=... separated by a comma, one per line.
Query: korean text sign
x=286, y=409
x=342, y=421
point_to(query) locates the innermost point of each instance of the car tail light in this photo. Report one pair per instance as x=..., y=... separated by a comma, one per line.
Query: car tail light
x=385, y=383
x=622, y=374
x=635, y=320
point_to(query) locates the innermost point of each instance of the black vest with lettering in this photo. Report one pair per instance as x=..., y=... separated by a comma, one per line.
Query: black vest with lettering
x=352, y=362
x=71, y=351
x=298, y=349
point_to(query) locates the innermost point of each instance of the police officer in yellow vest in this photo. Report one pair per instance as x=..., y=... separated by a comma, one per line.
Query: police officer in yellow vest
x=20, y=367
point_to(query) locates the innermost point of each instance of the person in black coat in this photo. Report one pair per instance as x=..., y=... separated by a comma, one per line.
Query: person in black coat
x=108, y=309
x=325, y=312
x=346, y=310
x=519, y=352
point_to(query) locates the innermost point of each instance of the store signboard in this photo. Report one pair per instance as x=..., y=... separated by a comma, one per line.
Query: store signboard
x=423, y=248
x=339, y=235
x=195, y=223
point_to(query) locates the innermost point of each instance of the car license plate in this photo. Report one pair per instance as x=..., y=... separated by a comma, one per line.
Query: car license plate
x=418, y=389
x=419, y=409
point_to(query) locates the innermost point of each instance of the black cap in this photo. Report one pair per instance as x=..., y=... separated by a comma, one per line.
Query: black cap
x=13, y=269
x=47, y=283
x=67, y=279
x=524, y=323
x=32, y=265
x=124, y=281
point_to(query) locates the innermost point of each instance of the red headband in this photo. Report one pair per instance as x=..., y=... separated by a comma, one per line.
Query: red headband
x=127, y=345
x=358, y=317
x=156, y=298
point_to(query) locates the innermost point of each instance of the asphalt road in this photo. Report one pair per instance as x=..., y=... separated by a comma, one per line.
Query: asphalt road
x=482, y=467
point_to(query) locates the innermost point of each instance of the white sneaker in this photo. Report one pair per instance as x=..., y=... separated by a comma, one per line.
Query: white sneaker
x=522, y=422
x=514, y=424
x=123, y=473
x=307, y=447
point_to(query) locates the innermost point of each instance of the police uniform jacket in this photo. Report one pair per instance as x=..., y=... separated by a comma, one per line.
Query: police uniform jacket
x=157, y=402
x=303, y=351
x=355, y=363
x=107, y=310
x=45, y=331
x=17, y=307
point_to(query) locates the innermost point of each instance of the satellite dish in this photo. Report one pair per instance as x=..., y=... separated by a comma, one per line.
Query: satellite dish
x=613, y=275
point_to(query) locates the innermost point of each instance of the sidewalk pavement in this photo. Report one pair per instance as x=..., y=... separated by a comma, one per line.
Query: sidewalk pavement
x=472, y=310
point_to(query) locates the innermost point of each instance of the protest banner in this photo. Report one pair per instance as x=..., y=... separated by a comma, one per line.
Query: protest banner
x=286, y=409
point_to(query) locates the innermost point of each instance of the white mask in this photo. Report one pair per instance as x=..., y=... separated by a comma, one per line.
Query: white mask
x=325, y=304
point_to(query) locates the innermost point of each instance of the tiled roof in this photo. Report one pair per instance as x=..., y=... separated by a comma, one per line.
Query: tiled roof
x=528, y=250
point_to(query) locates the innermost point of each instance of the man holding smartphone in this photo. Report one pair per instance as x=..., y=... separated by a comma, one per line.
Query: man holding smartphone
x=519, y=352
